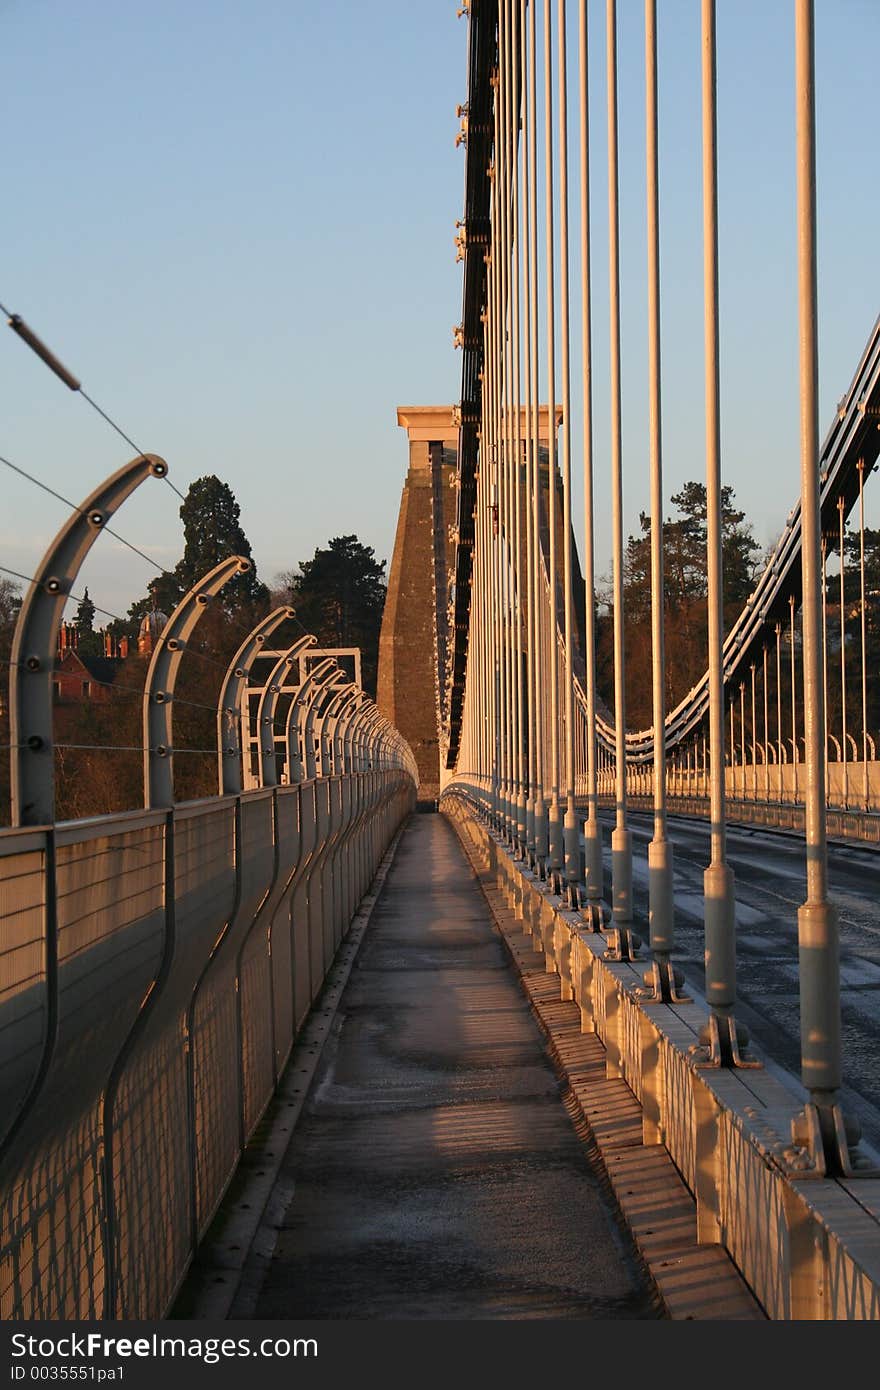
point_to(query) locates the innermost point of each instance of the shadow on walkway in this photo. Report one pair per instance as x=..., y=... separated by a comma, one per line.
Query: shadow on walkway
x=436, y=1173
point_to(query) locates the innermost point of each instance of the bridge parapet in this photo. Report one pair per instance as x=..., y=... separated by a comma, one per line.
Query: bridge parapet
x=157, y=965
x=157, y=969
x=807, y=1244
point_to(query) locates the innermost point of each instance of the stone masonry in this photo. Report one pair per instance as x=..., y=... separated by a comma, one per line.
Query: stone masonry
x=414, y=640
x=413, y=635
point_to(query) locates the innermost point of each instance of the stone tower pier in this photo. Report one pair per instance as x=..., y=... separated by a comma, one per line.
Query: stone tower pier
x=413, y=640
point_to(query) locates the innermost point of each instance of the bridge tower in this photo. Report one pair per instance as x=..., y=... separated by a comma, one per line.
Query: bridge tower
x=413, y=640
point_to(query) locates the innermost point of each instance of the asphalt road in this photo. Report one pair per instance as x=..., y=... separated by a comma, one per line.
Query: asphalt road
x=770, y=885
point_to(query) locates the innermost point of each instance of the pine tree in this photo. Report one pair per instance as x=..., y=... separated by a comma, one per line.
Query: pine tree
x=685, y=592
x=88, y=641
x=212, y=530
x=339, y=595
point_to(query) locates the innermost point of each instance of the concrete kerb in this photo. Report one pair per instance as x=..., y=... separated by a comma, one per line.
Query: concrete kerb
x=726, y=1132
x=693, y=1282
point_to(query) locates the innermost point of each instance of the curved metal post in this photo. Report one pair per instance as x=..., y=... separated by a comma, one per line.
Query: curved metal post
x=344, y=727
x=343, y=877
x=371, y=722
x=36, y=638
x=266, y=710
x=329, y=720
x=359, y=725
x=360, y=795
x=379, y=754
x=162, y=677
x=325, y=731
x=349, y=728
x=294, y=765
x=232, y=692
x=342, y=712
x=344, y=733
x=320, y=679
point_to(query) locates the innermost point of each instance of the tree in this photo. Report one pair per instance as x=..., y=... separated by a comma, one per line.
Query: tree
x=88, y=641
x=339, y=595
x=212, y=530
x=685, y=592
x=10, y=604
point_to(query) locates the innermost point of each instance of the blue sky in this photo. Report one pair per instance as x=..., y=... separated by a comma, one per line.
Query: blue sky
x=235, y=224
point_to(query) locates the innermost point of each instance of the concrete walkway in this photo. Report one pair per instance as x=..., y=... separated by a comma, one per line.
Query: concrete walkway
x=435, y=1171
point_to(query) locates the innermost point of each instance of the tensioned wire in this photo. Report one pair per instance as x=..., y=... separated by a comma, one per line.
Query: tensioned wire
x=75, y=385
x=74, y=508
x=77, y=598
x=80, y=598
x=37, y=482
x=117, y=689
x=47, y=357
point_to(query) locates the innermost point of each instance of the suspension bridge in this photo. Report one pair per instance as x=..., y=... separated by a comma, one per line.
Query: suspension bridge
x=171, y=974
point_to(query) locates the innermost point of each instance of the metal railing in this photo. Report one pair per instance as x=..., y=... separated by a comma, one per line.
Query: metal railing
x=156, y=966
x=527, y=734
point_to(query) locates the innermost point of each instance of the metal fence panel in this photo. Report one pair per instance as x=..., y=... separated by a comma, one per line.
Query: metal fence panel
x=24, y=995
x=110, y=940
x=278, y=910
x=185, y=965
x=254, y=967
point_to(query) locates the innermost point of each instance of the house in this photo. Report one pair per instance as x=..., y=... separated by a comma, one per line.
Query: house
x=81, y=676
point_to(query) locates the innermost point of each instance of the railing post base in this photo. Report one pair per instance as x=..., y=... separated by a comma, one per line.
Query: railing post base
x=723, y=1043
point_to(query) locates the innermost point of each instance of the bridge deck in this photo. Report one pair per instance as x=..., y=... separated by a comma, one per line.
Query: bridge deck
x=435, y=1171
